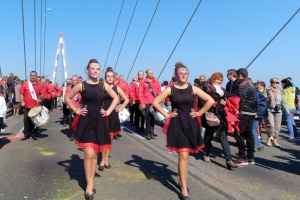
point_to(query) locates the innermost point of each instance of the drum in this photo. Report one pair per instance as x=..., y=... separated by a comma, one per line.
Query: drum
x=123, y=115
x=39, y=115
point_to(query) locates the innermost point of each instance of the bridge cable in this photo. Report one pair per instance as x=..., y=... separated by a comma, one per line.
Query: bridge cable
x=112, y=38
x=143, y=39
x=180, y=37
x=24, y=48
x=126, y=33
x=44, y=58
x=41, y=33
x=273, y=37
x=34, y=35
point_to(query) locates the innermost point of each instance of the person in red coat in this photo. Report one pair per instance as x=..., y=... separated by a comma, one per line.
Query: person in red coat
x=148, y=90
x=57, y=92
x=29, y=99
x=119, y=82
x=134, y=95
x=47, y=94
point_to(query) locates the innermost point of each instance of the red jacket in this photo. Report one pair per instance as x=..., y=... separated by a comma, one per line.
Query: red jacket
x=48, y=91
x=76, y=100
x=24, y=90
x=232, y=111
x=123, y=85
x=57, y=91
x=134, y=91
x=144, y=93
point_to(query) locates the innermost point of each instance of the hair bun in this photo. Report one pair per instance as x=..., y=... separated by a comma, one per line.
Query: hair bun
x=178, y=64
x=109, y=69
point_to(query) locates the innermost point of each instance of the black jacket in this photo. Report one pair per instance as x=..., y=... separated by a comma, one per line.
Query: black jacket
x=11, y=85
x=247, y=93
x=232, y=87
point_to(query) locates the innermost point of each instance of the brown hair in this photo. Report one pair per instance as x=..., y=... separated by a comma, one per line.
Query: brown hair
x=92, y=61
x=232, y=72
x=216, y=75
x=250, y=80
x=179, y=65
x=109, y=69
x=261, y=83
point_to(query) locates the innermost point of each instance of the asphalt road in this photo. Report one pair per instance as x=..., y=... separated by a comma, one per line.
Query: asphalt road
x=52, y=168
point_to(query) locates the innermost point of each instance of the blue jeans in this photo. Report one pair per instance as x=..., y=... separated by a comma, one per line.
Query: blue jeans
x=257, y=142
x=291, y=125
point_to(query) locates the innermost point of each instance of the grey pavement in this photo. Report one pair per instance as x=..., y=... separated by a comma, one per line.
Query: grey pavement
x=52, y=168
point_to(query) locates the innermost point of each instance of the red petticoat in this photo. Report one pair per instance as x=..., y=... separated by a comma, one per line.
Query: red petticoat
x=112, y=134
x=96, y=147
x=190, y=150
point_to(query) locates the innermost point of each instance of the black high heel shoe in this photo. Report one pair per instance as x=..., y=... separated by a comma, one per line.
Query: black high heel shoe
x=182, y=197
x=107, y=166
x=101, y=168
x=88, y=196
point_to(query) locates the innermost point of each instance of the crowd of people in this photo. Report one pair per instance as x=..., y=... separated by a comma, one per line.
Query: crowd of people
x=193, y=113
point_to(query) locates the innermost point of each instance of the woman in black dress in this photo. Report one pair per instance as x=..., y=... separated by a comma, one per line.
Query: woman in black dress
x=114, y=126
x=90, y=124
x=184, y=130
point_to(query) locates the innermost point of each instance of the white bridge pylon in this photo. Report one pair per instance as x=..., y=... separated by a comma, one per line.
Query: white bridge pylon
x=60, y=46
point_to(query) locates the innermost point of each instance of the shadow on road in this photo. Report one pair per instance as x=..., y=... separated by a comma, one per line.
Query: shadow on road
x=40, y=133
x=155, y=171
x=60, y=121
x=290, y=164
x=4, y=141
x=66, y=132
x=75, y=168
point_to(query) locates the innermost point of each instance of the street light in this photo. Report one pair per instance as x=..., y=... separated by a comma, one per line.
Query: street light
x=46, y=10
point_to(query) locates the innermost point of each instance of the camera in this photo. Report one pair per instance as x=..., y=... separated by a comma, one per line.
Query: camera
x=277, y=107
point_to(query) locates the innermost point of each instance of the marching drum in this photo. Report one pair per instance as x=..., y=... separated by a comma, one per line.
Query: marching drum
x=123, y=115
x=39, y=115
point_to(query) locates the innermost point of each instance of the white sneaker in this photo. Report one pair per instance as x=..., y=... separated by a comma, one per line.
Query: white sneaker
x=2, y=130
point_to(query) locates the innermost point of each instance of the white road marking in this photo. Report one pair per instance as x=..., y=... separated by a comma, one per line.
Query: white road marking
x=131, y=131
x=20, y=133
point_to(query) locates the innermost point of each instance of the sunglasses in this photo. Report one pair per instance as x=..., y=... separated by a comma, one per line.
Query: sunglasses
x=276, y=82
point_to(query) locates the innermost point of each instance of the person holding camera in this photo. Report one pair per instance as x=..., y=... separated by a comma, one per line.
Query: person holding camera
x=276, y=102
x=289, y=96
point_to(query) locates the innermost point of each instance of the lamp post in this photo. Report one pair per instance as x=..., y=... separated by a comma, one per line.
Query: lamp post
x=45, y=20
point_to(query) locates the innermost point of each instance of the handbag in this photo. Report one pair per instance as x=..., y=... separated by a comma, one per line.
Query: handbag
x=211, y=119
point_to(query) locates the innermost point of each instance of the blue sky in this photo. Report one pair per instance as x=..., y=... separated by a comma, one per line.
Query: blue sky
x=223, y=34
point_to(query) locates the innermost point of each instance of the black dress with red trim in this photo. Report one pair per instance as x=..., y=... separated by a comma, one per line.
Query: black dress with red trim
x=114, y=125
x=183, y=131
x=91, y=131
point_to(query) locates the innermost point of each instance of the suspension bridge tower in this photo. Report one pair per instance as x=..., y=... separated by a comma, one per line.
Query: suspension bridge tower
x=60, y=47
